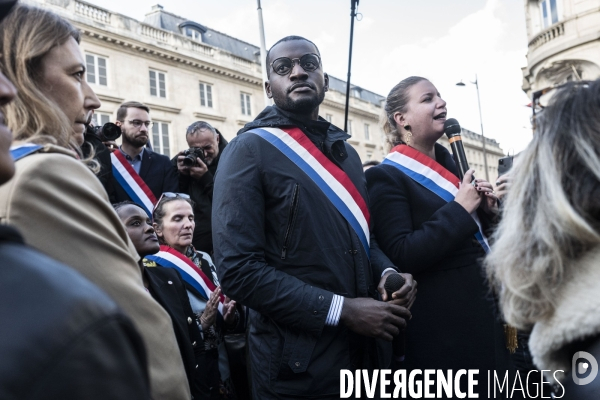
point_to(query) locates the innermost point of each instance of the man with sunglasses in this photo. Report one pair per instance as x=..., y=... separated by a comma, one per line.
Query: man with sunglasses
x=139, y=174
x=292, y=242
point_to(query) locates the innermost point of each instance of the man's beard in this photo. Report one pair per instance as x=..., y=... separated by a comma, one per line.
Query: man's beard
x=304, y=106
x=135, y=141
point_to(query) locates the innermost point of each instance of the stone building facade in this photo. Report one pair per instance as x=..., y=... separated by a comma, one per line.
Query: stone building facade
x=185, y=71
x=564, y=42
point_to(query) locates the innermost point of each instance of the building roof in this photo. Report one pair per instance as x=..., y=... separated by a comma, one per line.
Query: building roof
x=340, y=86
x=477, y=136
x=162, y=19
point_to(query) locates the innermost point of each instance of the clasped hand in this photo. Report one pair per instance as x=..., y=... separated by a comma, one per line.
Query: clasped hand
x=380, y=319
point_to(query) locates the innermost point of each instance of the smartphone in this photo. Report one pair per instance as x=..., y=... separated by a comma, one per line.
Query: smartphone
x=504, y=165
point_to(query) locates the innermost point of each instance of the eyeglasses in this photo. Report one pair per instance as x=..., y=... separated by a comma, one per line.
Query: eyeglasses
x=138, y=123
x=284, y=65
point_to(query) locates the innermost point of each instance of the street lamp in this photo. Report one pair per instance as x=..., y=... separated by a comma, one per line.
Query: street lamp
x=476, y=83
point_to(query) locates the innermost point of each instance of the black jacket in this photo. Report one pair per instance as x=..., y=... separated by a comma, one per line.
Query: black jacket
x=102, y=155
x=201, y=192
x=61, y=337
x=283, y=250
x=167, y=288
x=157, y=172
x=454, y=322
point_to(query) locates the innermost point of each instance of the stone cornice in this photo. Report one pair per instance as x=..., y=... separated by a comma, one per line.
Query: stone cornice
x=110, y=99
x=209, y=116
x=353, y=110
x=169, y=55
x=159, y=107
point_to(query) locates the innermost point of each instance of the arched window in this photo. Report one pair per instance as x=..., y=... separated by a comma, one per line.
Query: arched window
x=192, y=33
x=192, y=30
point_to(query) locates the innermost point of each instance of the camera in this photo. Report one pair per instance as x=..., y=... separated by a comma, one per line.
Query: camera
x=504, y=164
x=191, y=155
x=106, y=133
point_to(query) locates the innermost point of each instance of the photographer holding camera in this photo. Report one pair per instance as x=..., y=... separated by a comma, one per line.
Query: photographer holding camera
x=197, y=166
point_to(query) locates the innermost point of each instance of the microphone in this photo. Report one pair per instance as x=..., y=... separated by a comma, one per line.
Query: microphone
x=393, y=283
x=452, y=130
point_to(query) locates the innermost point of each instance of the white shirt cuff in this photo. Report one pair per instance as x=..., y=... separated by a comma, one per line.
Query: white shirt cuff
x=335, y=310
x=387, y=270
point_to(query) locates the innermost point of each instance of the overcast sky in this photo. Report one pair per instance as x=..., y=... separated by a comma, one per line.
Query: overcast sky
x=444, y=41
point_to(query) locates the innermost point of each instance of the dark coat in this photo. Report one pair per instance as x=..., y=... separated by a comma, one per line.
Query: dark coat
x=282, y=249
x=201, y=192
x=61, y=337
x=454, y=323
x=167, y=288
x=157, y=172
x=102, y=155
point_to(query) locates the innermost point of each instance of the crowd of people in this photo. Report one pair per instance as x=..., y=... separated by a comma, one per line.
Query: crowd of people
x=260, y=268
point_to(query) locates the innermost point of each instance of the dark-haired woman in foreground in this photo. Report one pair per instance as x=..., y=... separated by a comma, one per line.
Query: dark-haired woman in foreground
x=428, y=224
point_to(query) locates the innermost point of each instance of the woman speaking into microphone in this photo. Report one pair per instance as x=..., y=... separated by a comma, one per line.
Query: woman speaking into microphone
x=430, y=225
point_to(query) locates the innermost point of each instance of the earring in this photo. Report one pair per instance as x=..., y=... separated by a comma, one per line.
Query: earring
x=408, y=135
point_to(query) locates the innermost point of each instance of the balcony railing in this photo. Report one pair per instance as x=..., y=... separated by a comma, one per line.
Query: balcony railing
x=95, y=13
x=155, y=33
x=202, y=49
x=548, y=35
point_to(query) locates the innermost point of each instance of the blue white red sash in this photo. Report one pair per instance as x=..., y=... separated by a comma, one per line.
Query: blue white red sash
x=431, y=175
x=194, y=276
x=131, y=182
x=22, y=150
x=331, y=179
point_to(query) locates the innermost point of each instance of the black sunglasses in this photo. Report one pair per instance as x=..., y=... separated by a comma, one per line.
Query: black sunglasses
x=284, y=65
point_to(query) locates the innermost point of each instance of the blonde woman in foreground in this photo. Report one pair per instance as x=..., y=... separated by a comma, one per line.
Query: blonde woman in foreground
x=545, y=262
x=55, y=200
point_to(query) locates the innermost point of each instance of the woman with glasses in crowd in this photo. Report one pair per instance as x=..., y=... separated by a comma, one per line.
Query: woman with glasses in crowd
x=174, y=224
x=545, y=262
x=433, y=234
x=54, y=199
x=166, y=286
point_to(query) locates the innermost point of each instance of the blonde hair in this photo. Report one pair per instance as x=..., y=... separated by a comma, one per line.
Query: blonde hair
x=26, y=36
x=395, y=102
x=551, y=216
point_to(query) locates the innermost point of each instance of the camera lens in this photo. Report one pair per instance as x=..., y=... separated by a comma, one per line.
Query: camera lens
x=189, y=160
x=111, y=131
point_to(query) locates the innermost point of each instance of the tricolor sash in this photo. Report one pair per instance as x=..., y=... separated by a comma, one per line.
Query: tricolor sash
x=332, y=180
x=194, y=276
x=431, y=175
x=131, y=182
x=22, y=150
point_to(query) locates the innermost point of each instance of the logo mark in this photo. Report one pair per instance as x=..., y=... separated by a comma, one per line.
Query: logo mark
x=582, y=368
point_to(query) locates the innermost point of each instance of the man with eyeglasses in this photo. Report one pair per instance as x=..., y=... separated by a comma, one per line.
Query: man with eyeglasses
x=140, y=174
x=292, y=242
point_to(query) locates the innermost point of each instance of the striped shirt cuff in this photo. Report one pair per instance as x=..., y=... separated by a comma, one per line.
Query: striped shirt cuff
x=335, y=311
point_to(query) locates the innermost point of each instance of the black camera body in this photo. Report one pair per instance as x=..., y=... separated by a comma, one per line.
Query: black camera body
x=106, y=133
x=504, y=164
x=191, y=154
